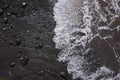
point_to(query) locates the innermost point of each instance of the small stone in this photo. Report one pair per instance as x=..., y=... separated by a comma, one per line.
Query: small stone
x=24, y=45
x=11, y=42
x=21, y=58
x=24, y=4
x=33, y=14
x=1, y=11
x=18, y=41
x=39, y=46
x=4, y=28
x=8, y=14
x=28, y=31
x=6, y=6
x=41, y=71
x=48, y=71
x=20, y=51
x=34, y=42
x=12, y=64
x=24, y=60
x=37, y=38
x=63, y=75
x=3, y=38
x=10, y=27
x=5, y=19
x=14, y=13
x=10, y=73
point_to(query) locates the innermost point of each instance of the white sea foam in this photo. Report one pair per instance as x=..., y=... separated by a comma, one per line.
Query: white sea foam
x=74, y=20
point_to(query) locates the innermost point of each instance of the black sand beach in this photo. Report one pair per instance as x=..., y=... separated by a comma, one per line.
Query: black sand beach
x=27, y=51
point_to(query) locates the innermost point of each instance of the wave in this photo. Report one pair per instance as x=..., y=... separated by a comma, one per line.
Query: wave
x=78, y=23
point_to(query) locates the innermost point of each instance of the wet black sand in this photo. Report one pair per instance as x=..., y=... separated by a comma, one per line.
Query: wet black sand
x=27, y=51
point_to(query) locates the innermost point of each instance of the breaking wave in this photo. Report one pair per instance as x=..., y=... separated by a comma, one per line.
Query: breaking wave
x=78, y=23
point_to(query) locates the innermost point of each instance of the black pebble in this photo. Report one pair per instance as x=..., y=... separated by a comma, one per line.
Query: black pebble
x=24, y=4
x=8, y=14
x=20, y=51
x=34, y=42
x=63, y=75
x=11, y=42
x=39, y=46
x=37, y=38
x=3, y=38
x=24, y=60
x=1, y=11
x=4, y=28
x=5, y=19
x=18, y=41
x=12, y=64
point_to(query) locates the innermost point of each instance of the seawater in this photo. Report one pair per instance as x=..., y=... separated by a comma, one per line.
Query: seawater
x=74, y=32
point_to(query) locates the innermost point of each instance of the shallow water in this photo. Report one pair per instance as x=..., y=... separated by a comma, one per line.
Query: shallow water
x=87, y=33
